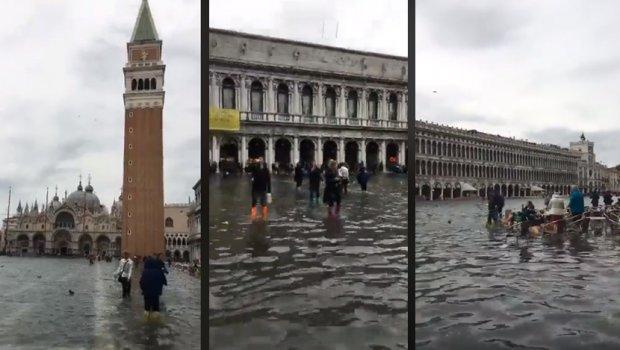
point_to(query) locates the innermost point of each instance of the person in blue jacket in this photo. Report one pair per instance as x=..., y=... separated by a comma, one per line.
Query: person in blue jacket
x=151, y=283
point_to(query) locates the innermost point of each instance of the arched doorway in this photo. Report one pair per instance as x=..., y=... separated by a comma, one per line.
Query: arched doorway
x=391, y=154
x=23, y=242
x=229, y=155
x=38, y=243
x=62, y=241
x=447, y=191
x=351, y=149
x=186, y=256
x=177, y=255
x=510, y=194
x=330, y=151
x=457, y=190
x=426, y=191
x=283, y=153
x=168, y=254
x=306, y=152
x=504, y=190
x=372, y=156
x=85, y=244
x=256, y=148
x=103, y=245
x=437, y=191
x=117, y=248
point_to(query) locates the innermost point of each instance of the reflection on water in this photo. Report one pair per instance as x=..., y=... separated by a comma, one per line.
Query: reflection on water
x=303, y=281
x=39, y=313
x=485, y=290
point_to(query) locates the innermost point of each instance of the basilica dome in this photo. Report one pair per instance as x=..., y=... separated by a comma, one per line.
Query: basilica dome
x=81, y=199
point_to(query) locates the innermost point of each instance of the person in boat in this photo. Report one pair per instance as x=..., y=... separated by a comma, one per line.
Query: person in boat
x=607, y=198
x=496, y=205
x=530, y=218
x=577, y=207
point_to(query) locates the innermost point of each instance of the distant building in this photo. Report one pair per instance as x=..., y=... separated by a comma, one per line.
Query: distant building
x=452, y=162
x=194, y=224
x=76, y=225
x=176, y=231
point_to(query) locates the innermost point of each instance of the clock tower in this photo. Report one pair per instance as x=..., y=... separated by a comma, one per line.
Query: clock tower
x=143, y=178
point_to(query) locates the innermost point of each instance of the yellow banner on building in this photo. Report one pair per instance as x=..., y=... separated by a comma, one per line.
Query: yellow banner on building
x=224, y=119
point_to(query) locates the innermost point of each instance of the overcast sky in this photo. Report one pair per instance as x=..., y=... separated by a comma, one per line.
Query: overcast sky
x=355, y=24
x=61, y=89
x=541, y=70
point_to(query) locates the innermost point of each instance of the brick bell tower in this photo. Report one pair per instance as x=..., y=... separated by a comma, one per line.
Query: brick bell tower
x=143, y=172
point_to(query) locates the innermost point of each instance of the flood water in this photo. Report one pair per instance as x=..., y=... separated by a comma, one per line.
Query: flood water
x=481, y=290
x=39, y=313
x=301, y=281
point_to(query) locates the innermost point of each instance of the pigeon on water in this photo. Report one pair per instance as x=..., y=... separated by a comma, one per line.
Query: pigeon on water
x=71, y=292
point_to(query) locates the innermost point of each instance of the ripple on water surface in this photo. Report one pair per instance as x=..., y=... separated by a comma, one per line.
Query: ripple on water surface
x=302, y=281
x=482, y=290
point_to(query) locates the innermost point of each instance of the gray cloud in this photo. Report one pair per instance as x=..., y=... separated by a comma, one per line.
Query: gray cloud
x=465, y=24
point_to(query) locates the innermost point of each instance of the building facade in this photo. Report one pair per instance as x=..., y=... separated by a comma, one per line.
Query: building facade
x=76, y=225
x=302, y=102
x=143, y=180
x=452, y=162
x=176, y=231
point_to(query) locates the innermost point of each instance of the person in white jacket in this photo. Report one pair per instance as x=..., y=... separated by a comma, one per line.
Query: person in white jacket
x=343, y=172
x=123, y=274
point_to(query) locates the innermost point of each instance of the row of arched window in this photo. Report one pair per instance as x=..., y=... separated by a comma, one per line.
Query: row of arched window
x=489, y=172
x=175, y=241
x=144, y=84
x=448, y=149
x=257, y=94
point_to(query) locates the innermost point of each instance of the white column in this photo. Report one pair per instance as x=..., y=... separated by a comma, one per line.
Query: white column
x=212, y=89
x=243, y=93
x=319, y=159
x=363, y=110
x=270, y=97
x=296, y=102
x=295, y=150
x=216, y=152
x=401, y=107
x=270, y=153
x=362, y=157
x=382, y=155
x=384, y=114
x=216, y=90
x=341, y=154
x=244, y=151
x=318, y=101
x=342, y=111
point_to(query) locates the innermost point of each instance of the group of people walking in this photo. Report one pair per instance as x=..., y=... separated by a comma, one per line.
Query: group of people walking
x=336, y=178
x=152, y=280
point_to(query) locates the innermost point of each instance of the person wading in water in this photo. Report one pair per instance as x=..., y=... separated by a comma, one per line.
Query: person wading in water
x=315, y=179
x=261, y=189
x=123, y=274
x=299, y=175
x=332, y=193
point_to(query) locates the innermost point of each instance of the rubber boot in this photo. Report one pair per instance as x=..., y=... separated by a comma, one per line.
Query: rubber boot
x=265, y=212
x=253, y=213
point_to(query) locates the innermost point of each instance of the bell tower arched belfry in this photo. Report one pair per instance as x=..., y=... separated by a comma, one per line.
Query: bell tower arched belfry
x=143, y=180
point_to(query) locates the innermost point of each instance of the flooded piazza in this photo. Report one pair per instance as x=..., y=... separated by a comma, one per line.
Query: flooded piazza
x=301, y=281
x=39, y=312
x=477, y=289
